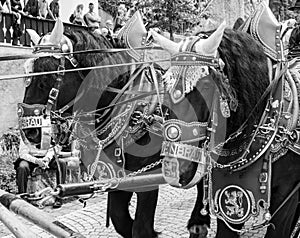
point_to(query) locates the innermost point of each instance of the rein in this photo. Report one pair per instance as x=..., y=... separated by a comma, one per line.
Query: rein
x=101, y=51
x=14, y=76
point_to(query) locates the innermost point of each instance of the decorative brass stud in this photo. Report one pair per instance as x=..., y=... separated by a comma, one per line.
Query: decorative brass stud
x=177, y=94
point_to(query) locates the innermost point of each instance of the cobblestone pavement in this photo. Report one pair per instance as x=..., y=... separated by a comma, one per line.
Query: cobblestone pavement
x=173, y=211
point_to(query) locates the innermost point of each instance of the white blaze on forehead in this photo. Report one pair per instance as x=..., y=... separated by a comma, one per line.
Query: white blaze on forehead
x=28, y=66
x=209, y=46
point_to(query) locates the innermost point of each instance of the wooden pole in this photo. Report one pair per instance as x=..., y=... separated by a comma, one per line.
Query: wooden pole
x=14, y=224
x=33, y=214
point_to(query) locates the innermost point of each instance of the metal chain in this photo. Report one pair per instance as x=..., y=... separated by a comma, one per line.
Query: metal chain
x=114, y=182
x=146, y=168
x=101, y=187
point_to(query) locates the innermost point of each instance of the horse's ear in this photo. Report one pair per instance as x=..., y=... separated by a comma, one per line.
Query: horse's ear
x=34, y=36
x=57, y=32
x=164, y=42
x=210, y=45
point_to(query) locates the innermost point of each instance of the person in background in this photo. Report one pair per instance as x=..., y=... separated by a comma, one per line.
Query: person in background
x=31, y=157
x=32, y=8
x=16, y=6
x=108, y=30
x=120, y=19
x=16, y=9
x=77, y=16
x=110, y=26
x=134, y=7
x=92, y=20
x=44, y=9
x=104, y=31
x=54, y=9
x=294, y=39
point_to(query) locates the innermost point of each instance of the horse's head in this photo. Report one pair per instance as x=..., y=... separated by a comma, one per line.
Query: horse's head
x=38, y=87
x=212, y=87
x=47, y=91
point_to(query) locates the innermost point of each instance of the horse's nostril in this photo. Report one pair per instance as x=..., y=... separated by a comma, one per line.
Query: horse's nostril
x=197, y=230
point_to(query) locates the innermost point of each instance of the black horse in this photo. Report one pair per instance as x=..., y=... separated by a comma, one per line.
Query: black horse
x=225, y=89
x=88, y=88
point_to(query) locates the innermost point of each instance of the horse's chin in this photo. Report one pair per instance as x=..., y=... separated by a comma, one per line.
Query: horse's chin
x=198, y=231
x=179, y=173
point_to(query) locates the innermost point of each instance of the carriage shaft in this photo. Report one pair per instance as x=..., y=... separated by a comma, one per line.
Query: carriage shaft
x=127, y=184
x=32, y=214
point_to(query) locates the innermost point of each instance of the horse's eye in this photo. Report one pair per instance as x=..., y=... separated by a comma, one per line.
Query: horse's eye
x=41, y=85
x=44, y=83
x=27, y=81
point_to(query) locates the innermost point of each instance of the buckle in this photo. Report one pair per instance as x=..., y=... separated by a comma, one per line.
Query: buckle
x=53, y=93
x=61, y=70
x=263, y=177
x=118, y=152
x=73, y=61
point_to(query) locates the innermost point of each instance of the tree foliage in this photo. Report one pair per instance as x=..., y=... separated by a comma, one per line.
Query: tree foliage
x=168, y=15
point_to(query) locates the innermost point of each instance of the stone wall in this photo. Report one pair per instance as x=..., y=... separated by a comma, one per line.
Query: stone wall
x=12, y=90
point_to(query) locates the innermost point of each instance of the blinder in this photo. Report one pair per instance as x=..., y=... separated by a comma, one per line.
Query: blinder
x=33, y=117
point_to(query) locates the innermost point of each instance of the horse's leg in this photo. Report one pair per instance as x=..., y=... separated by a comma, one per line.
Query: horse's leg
x=286, y=173
x=223, y=231
x=198, y=224
x=143, y=225
x=119, y=213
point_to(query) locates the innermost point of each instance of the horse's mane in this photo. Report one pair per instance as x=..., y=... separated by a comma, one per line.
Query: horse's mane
x=84, y=40
x=247, y=71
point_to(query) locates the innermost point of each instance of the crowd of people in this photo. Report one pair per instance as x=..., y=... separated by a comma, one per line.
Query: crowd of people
x=92, y=20
x=41, y=9
x=34, y=8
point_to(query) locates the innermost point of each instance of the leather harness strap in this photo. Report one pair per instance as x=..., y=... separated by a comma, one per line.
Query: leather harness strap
x=53, y=95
